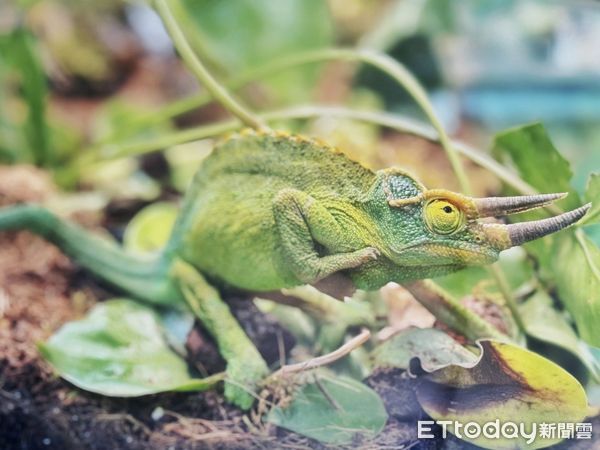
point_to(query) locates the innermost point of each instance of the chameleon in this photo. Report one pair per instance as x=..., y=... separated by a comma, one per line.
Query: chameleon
x=270, y=210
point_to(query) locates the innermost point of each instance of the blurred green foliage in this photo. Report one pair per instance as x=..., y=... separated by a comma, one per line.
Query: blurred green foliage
x=237, y=36
x=23, y=128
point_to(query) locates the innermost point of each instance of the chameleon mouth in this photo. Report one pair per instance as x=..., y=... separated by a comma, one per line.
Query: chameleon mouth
x=448, y=253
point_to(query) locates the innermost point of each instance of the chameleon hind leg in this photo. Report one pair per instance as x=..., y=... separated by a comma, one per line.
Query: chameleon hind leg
x=301, y=223
x=245, y=365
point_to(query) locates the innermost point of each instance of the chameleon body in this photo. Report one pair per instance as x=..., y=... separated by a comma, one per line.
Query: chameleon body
x=268, y=211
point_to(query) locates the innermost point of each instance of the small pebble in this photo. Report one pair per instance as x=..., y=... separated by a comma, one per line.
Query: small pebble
x=157, y=414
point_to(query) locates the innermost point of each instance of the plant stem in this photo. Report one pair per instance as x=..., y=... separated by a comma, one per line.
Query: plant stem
x=502, y=283
x=197, y=67
x=319, y=361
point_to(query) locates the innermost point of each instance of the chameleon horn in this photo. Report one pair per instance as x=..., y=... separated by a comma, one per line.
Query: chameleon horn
x=501, y=206
x=520, y=233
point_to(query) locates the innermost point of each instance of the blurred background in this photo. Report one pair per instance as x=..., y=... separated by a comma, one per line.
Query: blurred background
x=77, y=75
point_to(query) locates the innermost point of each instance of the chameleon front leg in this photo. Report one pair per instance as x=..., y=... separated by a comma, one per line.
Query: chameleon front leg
x=301, y=223
x=245, y=365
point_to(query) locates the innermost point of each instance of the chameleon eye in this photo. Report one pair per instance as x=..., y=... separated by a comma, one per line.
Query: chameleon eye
x=443, y=217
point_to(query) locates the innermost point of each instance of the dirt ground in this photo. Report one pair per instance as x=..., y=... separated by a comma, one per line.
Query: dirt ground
x=40, y=289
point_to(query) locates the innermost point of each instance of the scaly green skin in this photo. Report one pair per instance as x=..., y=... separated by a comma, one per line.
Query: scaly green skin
x=268, y=211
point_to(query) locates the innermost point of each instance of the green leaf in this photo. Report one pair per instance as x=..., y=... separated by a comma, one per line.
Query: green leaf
x=119, y=350
x=247, y=33
x=33, y=84
x=529, y=148
x=514, y=263
x=149, y=230
x=576, y=268
x=461, y=283
x=434, y=348
x=507, y=384
x=546, y=324
x=592, y=195
x=333, y=411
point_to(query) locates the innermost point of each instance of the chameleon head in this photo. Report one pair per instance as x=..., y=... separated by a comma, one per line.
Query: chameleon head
x=447, y=229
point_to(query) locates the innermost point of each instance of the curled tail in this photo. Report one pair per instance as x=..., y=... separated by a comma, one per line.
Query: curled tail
x=145, y=279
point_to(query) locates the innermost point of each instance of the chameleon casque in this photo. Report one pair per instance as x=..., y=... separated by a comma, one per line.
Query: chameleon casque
x=268, y=210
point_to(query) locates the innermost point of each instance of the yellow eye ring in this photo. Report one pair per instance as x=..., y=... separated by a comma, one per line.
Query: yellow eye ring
x=443, y=217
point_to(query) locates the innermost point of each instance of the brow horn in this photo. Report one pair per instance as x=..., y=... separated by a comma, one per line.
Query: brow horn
x=520, y=233
x=501, y=206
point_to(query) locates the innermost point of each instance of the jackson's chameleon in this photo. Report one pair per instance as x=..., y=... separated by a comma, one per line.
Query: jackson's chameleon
x=269, y=210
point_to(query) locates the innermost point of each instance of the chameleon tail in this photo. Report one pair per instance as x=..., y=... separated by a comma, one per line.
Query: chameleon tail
x=145, y=279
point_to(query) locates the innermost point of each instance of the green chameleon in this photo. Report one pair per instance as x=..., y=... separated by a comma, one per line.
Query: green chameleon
x=268, y=211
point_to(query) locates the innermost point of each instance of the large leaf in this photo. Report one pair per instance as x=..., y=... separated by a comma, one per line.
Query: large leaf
x=546, y=324
x=538, y=162
x=508, y=384
x=333, y=411
x=248, y=33
x=119, y=349
x=578, y=282
x=434, y=348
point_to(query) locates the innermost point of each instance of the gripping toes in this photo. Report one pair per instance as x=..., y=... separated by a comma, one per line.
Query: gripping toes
x=369, y=254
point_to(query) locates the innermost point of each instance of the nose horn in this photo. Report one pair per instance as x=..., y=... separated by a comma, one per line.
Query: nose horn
x=501, y=206
x=520, y=233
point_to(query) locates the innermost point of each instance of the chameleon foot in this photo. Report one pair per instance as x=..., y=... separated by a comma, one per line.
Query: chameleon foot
x=243, y=376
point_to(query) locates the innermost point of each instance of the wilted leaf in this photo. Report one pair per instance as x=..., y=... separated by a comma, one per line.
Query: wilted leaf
x=546, y=324
x=508, y=384
x=150, y=229
x=434, y=348
x=119, y=350
x=244, y=34
x=578, y=282
x=332, y=410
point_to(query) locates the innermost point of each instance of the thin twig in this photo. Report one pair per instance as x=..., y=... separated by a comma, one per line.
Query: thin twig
x=326, y=394
x=329, y=358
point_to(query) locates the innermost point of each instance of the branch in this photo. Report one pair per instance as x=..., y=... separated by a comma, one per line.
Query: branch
x=323, y=360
